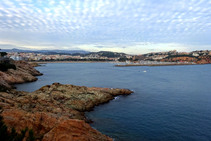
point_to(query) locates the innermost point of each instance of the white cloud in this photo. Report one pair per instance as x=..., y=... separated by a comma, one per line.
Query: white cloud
x=52, y=2
x=108, y=22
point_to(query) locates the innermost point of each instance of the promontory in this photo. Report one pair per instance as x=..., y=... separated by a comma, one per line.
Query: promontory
x=54, y=112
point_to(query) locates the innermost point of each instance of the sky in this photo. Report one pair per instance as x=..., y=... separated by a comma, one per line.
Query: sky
x=130, y=26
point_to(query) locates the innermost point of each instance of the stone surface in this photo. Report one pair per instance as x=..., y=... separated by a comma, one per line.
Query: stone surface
x=204, y=60
x=24, y=73
x=56, y=112
x=175, y=59
x=74, y=130
x=199, y=60
x=34, y=64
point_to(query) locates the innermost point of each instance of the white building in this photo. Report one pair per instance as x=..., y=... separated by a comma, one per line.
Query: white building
x=195, y=54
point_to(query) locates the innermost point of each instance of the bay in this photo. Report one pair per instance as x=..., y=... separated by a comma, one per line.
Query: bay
x=168, y=103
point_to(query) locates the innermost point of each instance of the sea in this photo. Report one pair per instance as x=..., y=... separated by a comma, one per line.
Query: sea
x=169, y=103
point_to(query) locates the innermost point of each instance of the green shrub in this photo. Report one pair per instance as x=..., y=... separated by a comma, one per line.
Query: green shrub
x=13, y=135
x=4, y=136
x=3, y=88
x=5, y=66
x=3, y=53
x=31, y=136
x=183, y=55
x=20, y=137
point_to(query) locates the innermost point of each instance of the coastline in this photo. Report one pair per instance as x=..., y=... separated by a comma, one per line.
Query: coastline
x=127, y=65
x=134, y=65
x=23, y=72
x=56, y=111
x=46, y=62
x=63, y=105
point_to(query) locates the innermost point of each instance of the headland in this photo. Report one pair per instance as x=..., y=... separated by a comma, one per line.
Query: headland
x=21, y=72
x=54, y=112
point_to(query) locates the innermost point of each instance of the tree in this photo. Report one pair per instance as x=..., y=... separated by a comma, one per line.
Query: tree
x=3, y=53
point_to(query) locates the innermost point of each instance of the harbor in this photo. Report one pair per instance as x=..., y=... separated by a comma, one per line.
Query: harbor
x=153, y=63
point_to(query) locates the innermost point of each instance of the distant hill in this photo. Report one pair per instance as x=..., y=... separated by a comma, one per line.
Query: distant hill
x=81, y=53
x=108, y=54
x=46, y=51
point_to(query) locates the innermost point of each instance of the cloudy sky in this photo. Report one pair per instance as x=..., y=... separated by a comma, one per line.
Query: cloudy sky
x=130, y=26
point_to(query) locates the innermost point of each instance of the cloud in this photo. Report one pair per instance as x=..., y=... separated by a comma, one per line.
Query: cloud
x=8, y=46
x=99, y=46
x=151, y=49
x=108, y=23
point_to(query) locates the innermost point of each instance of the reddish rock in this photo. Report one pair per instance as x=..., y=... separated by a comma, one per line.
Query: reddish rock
x=74, y=130
x=175, y=59
x=204, y=60
x=199, y=60
x=26, y=67
x=24, y=73
x=56, y=112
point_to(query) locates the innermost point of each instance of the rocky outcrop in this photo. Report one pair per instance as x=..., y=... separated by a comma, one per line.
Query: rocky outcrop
x=204, y=60
x=74, y=130
x=26, y=67
x=197, y=60
x=24, y=73
x=175, y=59
x=34, y=64
x=51, y=127
x=56, y=112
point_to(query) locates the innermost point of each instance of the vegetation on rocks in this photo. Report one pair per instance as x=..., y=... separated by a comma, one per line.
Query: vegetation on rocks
x=3, y=53
x=21, y=72
x=56, y=111
x=123, y=59
x=183, y=55
x=3, y=88
x=6, y=135
x=5, y=66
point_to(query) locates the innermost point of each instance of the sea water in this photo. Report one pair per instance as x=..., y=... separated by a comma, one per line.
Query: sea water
x=168, y=103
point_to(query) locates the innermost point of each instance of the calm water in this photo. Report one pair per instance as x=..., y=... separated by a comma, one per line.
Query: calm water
x=169, y=103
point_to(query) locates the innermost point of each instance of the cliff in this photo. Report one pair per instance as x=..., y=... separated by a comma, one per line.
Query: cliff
x=204, y=60
x=56, y=112
x=24, y=73
x=175, y=59
x=197, y=60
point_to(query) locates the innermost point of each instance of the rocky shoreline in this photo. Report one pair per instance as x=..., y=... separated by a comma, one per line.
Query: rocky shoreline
x=24, y=73
x=54, y=112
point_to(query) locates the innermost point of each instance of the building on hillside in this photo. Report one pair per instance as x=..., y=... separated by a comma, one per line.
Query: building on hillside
x=128, y=56
x=195, y=54
x=16, y=57
x=183, y=53
x=138, y=57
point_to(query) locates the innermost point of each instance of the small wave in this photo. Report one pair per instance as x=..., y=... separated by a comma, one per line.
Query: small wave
x=94, y=127
x=116, y=98
x=133, y=91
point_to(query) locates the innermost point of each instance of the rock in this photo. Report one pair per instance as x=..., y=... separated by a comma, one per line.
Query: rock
x=24, y=66
x=198, y=60
x=56, y=112
x=175, y=59
x=24, y=73
x=204, y=60
x=74, y=130
x=34, y=64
